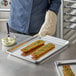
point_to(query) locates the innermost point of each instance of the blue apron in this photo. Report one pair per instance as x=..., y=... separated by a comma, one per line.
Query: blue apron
x=27, y=16
x=20, y=15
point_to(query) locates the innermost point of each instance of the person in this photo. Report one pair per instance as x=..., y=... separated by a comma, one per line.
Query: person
x=34, y=17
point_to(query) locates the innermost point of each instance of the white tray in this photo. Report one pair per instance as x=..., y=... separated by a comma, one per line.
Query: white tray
x=59, y=65
x=59, y=43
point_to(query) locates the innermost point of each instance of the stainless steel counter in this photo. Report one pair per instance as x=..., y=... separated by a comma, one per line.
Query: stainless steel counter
x=12, y=66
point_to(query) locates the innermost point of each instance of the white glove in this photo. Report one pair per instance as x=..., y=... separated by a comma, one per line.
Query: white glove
x=49, y=25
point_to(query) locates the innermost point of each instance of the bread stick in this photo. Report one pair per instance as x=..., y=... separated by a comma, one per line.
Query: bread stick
x=67, y=71
x=33, y=46
x=41, y=51
x=31, y=51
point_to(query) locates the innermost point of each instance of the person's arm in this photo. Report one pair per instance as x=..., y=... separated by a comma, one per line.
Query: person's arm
x=49, y=25
x=55, y=5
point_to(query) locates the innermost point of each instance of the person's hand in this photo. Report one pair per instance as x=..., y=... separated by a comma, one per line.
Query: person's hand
x=49, y=25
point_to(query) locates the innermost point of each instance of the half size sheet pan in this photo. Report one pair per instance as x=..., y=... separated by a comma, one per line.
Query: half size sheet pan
x=59, y=64
x=59, y=44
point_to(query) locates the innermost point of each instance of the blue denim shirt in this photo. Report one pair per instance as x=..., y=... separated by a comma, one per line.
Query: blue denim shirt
x=27, y=16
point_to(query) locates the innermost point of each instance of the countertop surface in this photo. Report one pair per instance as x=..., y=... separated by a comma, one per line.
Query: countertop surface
x=12, y=66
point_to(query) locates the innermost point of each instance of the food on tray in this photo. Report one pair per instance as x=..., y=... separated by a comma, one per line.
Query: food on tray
x=33, y=45
x=8, y=41
x=37, y=49
x=28, y=53
x=67, y=71
x=41, y=51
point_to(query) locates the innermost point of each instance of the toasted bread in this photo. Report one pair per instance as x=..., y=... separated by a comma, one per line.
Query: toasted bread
x=67, y=71
x=43, y=50
x=31, y=51
x=33, y=46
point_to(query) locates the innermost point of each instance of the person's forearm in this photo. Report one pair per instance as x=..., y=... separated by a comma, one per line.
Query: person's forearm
x=49, y=25
x=54, y=5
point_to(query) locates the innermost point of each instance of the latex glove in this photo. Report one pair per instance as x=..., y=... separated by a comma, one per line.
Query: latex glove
x=49, y=25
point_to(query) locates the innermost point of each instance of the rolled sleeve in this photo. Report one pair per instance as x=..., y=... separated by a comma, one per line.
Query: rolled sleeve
x=55, y=5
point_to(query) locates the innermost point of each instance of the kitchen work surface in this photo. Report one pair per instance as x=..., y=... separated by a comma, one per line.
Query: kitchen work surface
x=13, y=66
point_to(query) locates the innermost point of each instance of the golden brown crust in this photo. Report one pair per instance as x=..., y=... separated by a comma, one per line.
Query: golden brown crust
x=33, y=46
x=67, y=71
x=43, y=50
x=31, y=51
